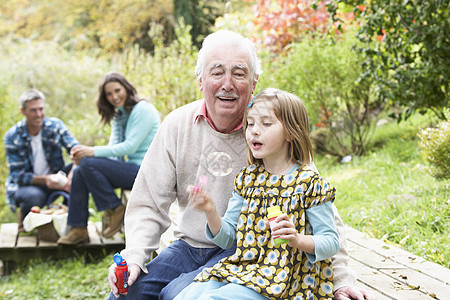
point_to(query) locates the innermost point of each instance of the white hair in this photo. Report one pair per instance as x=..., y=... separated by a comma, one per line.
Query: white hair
x=29, y=95
x=222, y=37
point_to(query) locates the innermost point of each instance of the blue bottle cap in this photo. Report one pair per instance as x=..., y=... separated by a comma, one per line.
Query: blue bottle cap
x=118, y=259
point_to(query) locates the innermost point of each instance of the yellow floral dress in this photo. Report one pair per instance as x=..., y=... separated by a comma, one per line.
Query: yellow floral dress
x=276, y=271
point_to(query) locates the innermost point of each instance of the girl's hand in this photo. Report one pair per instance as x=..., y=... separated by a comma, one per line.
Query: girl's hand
x=200, y=199
x=286, y=230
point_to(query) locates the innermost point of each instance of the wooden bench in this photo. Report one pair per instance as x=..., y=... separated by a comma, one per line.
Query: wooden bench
x=15, y=247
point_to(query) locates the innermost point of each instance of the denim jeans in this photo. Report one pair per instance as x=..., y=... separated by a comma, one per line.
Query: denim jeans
x=31, y=195
x=172, y=270
x=98, y=176
x=34, y=195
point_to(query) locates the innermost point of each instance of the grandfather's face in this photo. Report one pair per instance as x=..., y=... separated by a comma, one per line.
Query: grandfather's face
x=227, y=85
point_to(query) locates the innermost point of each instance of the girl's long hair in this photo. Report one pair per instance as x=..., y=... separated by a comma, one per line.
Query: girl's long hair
x=291, y=112
x=106, y=109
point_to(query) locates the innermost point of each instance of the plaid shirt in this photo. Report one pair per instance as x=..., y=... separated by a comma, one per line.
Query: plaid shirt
x=19, y=155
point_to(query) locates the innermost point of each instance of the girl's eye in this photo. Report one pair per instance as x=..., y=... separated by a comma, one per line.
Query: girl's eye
x=250, y=124
x=267, y=124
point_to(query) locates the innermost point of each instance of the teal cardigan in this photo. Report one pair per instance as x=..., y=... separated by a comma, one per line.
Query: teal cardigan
x=141, y=127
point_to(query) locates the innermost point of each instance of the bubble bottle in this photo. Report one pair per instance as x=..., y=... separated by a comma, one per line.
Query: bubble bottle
x=272, y=213
x=121, y=272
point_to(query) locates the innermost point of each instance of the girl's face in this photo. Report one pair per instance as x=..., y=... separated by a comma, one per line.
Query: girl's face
x=115, y=93
x=265, y=134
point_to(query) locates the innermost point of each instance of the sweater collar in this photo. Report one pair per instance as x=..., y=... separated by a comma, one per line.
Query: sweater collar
x=202, y=113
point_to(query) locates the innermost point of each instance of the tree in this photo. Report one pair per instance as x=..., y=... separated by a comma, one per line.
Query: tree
x=110, y=25
x=200, y=15
x=410, y=61
x=282, y=22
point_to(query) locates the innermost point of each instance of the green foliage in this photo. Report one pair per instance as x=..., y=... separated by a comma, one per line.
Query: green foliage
x=410, y=62
x=9, y=114
x=435, y=145
x=65, y=78
x=106, y=25
x=326, y=76
x=199, y=15
x=167, y=76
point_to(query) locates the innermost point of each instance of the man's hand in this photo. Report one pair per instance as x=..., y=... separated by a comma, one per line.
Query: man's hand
x=353, y=293
x=133, y=272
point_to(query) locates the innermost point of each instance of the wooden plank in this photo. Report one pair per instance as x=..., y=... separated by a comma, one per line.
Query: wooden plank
x=376, y=293
x=408, y=276
x=414, y=279
x=389, y=287
x=400, y=256
x=8, y=235
x=94, y=238
x=26, y=241
x=46, y=244
x=116, y=239
x=370, y=257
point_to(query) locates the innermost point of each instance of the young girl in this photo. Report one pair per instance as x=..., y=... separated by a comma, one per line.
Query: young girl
x=279, y=174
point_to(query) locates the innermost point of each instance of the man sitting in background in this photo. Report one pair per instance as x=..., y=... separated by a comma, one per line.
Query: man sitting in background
x=34, y=154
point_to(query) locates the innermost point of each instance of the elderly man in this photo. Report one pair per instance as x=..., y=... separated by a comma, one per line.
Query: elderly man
x=204, y=137
x=34, y=154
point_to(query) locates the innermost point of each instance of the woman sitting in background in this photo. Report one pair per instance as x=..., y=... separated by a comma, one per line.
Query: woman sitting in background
x=102, y=169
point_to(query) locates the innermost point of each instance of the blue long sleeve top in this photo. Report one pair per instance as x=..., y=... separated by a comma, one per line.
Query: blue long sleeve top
x=140, y=129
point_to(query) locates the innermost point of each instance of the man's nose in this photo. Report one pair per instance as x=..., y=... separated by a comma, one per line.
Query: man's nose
x=227, y=84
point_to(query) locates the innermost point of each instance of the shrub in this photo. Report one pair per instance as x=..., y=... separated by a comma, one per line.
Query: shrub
x=166, y=77
x=325, y=75
x=435, y=145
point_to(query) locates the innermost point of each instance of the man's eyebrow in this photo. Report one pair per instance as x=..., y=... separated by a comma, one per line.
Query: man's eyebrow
x=239, y=66
x=242, y=67
x=216, y=66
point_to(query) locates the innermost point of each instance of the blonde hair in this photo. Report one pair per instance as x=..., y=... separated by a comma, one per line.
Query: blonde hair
x=291, y=112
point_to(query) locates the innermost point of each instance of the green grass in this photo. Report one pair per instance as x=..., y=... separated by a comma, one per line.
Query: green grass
x=64, y=279
x=386, y=194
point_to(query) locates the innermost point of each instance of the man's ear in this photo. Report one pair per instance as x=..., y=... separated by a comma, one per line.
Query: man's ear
x=22, y=111
x=254, y=83
x=200, y=83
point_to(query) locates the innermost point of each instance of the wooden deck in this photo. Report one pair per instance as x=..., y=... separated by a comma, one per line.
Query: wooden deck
x=16, y=247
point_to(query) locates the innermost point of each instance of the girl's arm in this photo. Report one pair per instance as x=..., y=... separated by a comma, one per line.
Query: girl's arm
x=226, y=237
x=221, y=231
x=326, y=237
